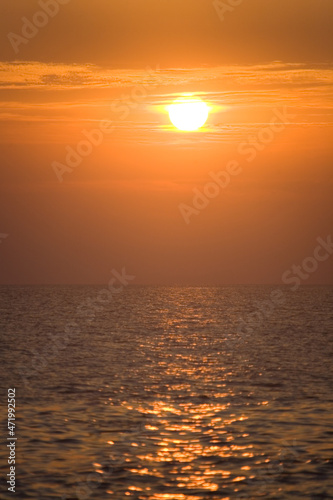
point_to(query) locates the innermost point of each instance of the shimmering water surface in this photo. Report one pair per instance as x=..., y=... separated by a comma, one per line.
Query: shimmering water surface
x=158, y=393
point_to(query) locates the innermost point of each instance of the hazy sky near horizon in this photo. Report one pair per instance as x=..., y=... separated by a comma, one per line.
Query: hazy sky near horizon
x=124, y=61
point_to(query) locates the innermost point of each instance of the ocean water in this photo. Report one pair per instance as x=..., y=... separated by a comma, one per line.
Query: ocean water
x=168, y=393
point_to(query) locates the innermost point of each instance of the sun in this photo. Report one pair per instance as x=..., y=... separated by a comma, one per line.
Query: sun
x=188, y=113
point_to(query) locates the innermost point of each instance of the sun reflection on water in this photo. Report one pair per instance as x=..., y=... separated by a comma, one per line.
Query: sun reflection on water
x=189, y=444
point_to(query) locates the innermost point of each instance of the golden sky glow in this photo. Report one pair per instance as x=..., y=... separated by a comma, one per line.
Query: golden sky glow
x=110, y=79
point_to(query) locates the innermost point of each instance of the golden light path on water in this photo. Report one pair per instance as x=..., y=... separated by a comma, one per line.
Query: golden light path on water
x=194, y=442
x=163, y=398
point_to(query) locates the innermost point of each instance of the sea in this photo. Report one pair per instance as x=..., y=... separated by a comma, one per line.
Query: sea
x=167, y=393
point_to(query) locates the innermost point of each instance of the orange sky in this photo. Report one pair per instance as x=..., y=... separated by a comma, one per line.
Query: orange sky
x=87, y=68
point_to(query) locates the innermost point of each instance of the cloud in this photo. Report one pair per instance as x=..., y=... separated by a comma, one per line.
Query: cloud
x=242, y=97
x=50, y=76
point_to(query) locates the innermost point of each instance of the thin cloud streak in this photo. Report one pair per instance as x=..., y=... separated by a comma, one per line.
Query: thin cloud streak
x=18, y=75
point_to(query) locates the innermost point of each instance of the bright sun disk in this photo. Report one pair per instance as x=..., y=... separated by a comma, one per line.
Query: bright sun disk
x=188, y=114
